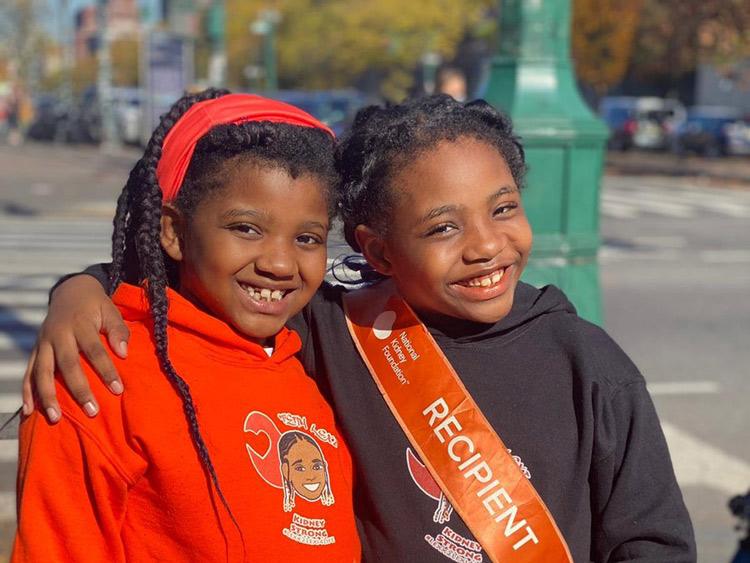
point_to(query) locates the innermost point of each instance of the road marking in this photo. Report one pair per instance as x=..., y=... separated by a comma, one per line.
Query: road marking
x=683, y=387
x=725, y=256
x=10, y=402
x=12, y=371
x=23, y=316
x=653, y=205
x=661, y=241
x=8, y=451
x=7, y=506
x=19, y=341
x=27, y=282
x=698, y=463
x=619, y=210
x=34, y=298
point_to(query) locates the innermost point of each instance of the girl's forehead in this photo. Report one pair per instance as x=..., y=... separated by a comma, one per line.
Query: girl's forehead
x=451, y=166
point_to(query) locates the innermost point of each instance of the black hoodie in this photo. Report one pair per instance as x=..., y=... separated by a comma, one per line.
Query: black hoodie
x=566, y=400
x=563, y=397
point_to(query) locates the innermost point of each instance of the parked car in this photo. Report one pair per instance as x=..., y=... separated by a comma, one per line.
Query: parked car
x=336, y=108
x=642, y=122
x=706, y=131
x=738, y=136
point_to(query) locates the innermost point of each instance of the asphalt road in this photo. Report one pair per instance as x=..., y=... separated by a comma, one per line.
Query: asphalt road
x=675, y=272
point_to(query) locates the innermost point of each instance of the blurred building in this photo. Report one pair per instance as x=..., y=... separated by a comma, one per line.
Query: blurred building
x=123, y=20
x=724, y=86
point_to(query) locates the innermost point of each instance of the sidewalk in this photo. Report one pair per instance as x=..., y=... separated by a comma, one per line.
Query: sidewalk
x=731, y=171
x=62, y=180
x=73, y=181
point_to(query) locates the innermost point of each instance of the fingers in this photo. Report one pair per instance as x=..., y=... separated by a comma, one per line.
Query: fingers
x=69, y=365
x=43, y=376
x=91, y=346
x=28, y=395
x=114, y=327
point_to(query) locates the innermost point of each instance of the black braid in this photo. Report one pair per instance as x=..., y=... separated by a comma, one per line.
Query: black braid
x=137, y=228
x=137, y=255
x=385, y=139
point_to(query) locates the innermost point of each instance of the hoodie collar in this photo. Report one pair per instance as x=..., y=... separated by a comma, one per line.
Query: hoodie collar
x=185, y=317
x=528, y=304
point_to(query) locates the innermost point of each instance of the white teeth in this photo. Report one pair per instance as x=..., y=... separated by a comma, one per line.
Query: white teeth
x=263, y=294
x=486, y=281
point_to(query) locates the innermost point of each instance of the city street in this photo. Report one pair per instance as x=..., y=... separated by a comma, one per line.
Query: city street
x=675, y=274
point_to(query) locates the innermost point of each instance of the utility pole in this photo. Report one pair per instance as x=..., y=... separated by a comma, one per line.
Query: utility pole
x=217, y=66
x=532, y=80
x=110, y=139
x=265, y=26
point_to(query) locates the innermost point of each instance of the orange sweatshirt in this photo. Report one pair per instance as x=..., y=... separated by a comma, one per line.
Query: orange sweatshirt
x=128, y=485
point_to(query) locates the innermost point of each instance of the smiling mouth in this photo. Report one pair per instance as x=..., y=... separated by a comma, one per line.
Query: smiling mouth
x=312, y=487
x=264, y=293
x=486, y=281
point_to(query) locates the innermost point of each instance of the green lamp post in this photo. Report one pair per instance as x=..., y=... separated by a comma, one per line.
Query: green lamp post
x=532, y=80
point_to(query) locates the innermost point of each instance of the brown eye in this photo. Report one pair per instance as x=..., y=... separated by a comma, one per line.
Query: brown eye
x=505, y=209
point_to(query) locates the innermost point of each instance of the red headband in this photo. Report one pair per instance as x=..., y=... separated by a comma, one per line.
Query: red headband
x=180, y=142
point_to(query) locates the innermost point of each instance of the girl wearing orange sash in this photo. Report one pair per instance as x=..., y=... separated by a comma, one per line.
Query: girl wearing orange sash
x=431, y=197
x=222, y=448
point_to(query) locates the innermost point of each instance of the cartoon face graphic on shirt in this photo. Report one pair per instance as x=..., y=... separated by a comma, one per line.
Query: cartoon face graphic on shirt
x=293, y=462
x=302, y=465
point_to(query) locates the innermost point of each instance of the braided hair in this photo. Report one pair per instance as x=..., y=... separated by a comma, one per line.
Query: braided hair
x=137, y=255
x=383, y=140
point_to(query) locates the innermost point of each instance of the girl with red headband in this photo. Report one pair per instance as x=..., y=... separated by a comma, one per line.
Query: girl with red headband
x=223, y=448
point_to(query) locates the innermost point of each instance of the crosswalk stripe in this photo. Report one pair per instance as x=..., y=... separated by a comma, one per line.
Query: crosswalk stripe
x=23, y=316
x=653, y=204
x=34, y=298
x=12, y=370
x=7, y=505
x=19, y=341
x=26, y=282
x=619, y=210
x=8, y=450
x=10, y=402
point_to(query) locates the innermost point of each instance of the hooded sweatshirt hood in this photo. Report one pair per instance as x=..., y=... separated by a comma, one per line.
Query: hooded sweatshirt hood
x=186, y=317
x=529, y=304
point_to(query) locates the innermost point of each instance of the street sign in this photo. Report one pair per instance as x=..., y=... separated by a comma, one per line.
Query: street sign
x=167, y=70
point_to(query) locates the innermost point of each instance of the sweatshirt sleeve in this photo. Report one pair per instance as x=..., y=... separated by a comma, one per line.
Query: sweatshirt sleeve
x=637, y=507
x=73, y=486
x=100, y=272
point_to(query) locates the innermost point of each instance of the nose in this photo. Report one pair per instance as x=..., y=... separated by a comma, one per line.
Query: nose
x=483, y=242
x=277, y=260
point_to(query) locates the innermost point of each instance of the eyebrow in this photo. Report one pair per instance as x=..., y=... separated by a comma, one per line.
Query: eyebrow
x=443, y=209
x=436, y=212
x=502, y=191
x=239, y=213
x=314, y=224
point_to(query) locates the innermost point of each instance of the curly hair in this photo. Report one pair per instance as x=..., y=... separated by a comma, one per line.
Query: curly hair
x=383, y=140
x=137, y=255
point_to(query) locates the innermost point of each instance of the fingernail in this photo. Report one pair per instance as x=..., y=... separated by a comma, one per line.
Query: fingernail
x=53, y=415
x=90, y=408
x=123, y=348
x=26, y=409
x=116, y=387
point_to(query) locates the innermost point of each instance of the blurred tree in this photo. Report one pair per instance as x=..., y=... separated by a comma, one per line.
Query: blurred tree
x=21, y=39
x=602, y=40
x=331, y=44
x=124, y=53
x=676, y=35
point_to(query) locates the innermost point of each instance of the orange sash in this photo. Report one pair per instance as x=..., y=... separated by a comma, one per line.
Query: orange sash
x=445, y=426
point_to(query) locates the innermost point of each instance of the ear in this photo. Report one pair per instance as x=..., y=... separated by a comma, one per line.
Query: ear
x=373, y=248
x=172, y=229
